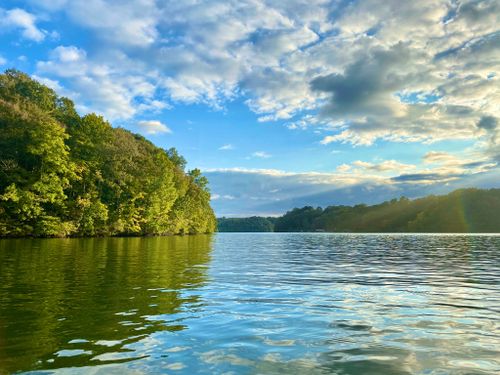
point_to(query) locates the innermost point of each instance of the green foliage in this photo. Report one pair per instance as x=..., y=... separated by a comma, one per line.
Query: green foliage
x=462, y=211
x=298, y=220
x=177, y=159
x=245, y=224
x=62, y=174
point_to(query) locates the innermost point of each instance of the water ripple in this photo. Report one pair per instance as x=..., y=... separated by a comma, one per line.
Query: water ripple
x=252, y=303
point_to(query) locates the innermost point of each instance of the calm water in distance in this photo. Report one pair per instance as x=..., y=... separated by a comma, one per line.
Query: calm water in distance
x=251, y=304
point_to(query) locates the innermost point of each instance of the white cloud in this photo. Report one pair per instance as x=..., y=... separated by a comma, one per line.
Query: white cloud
x=308, y=178
x=444, y=68
x=384, y=166
x=261, y=155
x=127, y=23
x=226, y=147
x=3, y=60
x=68, y=54
x=439, y=157
x=215, y=197
x=153, y=127
x=19, y=18
x=329, y=139
x=119, y=90
x=152, y=105
x=343, y=168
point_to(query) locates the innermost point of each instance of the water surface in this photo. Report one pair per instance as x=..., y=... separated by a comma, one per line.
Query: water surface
x=251, y=304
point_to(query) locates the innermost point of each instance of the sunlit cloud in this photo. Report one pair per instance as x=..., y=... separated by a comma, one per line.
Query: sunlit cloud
x=153, y=127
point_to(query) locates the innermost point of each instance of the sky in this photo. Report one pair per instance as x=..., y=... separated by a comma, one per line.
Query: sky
x=283, y=103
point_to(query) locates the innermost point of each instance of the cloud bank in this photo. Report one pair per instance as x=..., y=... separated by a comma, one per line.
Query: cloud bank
x=245, y=192
x=360, y=65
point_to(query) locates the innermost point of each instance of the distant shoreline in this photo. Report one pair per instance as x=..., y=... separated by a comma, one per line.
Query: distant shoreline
x=461, y=211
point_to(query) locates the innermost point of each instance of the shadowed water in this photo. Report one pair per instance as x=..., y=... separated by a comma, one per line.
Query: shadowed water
x=251, y=304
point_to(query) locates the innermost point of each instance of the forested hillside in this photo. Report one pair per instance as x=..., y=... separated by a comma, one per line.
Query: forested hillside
x=246, y=224
x=462, y=211
x=465, y=210
x=66, y=175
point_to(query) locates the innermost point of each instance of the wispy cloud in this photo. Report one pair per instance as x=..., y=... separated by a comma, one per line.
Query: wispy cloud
x=226, y=147
x=261, y=155
x=385, y=166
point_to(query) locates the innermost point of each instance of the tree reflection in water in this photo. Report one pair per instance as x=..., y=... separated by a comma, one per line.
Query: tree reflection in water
x=93, y=297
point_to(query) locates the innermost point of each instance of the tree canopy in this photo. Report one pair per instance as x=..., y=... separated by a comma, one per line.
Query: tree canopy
x=66, y=175
x=246, y=224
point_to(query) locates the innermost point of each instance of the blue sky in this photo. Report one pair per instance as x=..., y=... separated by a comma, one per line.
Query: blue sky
x=283, y=103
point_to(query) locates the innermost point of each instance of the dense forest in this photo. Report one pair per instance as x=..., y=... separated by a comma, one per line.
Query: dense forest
x=66, y=175
x=462, y=211
x=246, y=224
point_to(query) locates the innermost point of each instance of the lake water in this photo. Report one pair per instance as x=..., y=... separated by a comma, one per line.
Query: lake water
x=251, y=304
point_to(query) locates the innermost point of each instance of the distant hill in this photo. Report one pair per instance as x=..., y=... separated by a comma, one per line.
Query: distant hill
x=462, y=211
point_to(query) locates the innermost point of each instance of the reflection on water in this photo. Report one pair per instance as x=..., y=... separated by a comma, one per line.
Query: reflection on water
x=252, y=304
x=78, y=302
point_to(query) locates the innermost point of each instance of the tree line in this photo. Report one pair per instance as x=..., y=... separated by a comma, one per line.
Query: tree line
x=461, y=211
x=62, y=174
x=246, y=224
